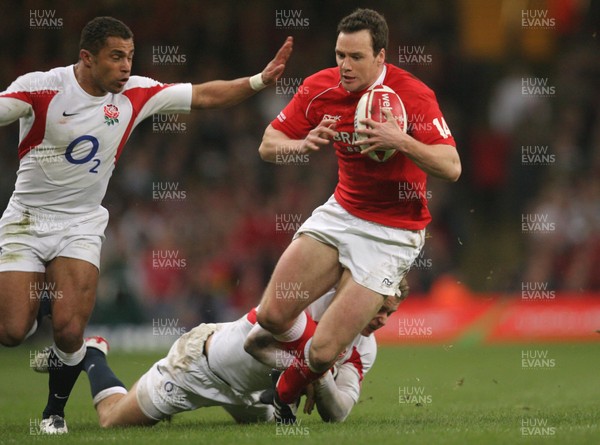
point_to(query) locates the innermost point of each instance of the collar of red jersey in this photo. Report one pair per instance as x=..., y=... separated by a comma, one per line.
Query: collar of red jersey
x=379, y=81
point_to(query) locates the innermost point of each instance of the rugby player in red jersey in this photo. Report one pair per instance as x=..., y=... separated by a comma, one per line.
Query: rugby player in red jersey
x=367, y=235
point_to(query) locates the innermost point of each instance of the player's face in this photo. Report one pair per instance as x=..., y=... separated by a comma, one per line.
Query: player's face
x=389, y=307
x=359, y=67
x=111, y=67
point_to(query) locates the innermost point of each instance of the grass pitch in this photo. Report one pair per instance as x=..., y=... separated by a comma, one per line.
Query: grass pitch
x=509, y=394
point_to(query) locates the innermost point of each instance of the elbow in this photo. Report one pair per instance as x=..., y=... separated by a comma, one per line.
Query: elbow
x=267, y=152
x=455, y=172
x=269, y=144
x=257, y=344
x=263, y=152
x=452, y=168
x=250, y=345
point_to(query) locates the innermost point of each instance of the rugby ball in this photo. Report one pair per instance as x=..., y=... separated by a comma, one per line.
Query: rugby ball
x=372, y=105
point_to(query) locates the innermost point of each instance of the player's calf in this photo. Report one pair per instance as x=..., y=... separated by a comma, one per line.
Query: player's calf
x=106, y=388
x=68, y=334
x=106, y=413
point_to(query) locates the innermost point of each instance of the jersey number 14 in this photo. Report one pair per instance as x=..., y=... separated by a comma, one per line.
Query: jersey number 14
x=442, y=127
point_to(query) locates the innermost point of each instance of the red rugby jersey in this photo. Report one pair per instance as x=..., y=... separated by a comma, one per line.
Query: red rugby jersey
x=391, y=193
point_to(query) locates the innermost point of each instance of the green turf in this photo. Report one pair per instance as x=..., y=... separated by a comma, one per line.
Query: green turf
x=450, y=395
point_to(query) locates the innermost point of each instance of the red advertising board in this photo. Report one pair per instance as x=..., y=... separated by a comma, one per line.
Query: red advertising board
x=495, y=318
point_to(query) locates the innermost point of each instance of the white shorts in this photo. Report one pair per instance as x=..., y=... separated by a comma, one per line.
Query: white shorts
x=183, y=381
x=30, y=238
x=377, y=256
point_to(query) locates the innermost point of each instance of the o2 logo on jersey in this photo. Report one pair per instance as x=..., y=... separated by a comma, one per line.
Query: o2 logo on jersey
x=87, y=158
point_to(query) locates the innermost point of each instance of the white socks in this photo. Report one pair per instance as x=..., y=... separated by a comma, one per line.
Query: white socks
x=108, y=392
x=70, y=358
x=295, y=332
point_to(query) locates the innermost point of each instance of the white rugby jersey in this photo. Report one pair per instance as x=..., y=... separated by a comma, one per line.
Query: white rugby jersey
x=229, y=361
x=70, y=141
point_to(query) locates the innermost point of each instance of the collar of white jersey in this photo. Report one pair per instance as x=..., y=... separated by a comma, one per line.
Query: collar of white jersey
x=73, y=79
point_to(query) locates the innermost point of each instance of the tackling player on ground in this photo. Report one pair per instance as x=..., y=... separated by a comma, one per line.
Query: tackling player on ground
x=208, y=366
x=74, y=123
x=368, y=234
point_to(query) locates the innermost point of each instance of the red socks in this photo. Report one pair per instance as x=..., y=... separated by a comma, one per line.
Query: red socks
x=295, y=378
x=298, y=345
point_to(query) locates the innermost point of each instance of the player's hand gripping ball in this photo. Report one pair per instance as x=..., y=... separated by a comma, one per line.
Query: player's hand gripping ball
x=371, y=106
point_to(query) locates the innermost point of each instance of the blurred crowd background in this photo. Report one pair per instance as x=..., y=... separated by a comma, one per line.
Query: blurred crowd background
x=206, y=251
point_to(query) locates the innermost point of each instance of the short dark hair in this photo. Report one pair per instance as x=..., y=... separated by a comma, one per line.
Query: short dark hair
x=370, y=20
x=96, y=31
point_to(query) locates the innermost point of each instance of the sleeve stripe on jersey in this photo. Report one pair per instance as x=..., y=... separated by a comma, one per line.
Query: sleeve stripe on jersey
x=40, y=101
x=251, y=316
x=357, y=362
x=24, y=96
x=138, y=98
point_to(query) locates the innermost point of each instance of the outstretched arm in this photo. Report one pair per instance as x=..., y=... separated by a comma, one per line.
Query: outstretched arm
x=224, y=93
x=12, y=109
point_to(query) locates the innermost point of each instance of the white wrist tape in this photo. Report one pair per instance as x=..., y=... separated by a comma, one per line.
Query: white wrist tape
x=256, y=82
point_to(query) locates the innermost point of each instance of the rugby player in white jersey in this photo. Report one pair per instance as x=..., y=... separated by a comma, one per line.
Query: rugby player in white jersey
x=208, y=366
x=74, y=122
